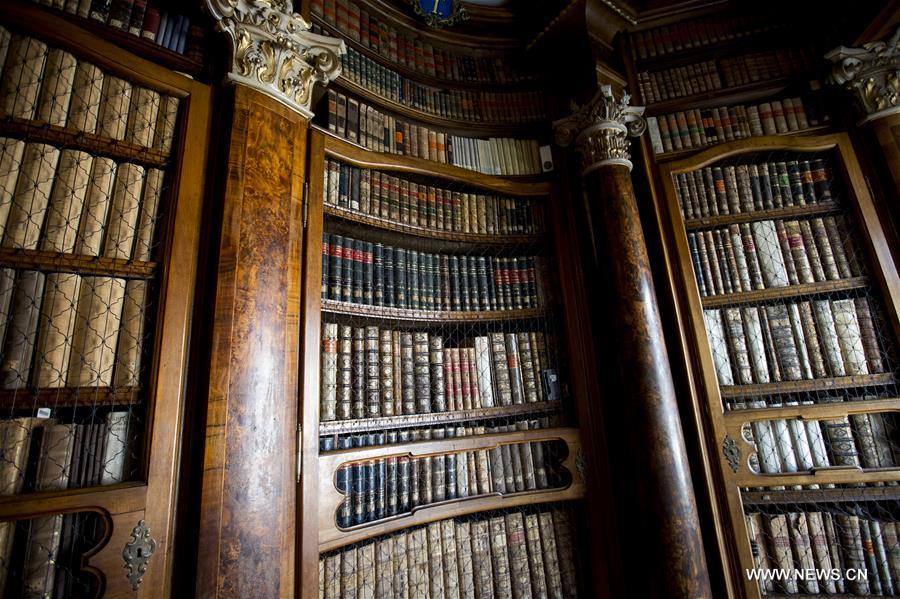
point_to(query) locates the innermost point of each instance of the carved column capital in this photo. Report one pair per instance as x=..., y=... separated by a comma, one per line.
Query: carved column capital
x=600, y=130
x=871, y=74
x=274, y=52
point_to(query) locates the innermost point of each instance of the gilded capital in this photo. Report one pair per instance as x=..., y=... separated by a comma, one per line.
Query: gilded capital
x=274, y=52
x=600, y=130
x=871, y=74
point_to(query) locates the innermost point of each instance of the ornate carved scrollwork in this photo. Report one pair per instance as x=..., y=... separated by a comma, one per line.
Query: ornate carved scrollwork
x=433, y=18
x=274, y=52
x=871, y=74
x=137, y=553
x=600, y=130
x=732, y=452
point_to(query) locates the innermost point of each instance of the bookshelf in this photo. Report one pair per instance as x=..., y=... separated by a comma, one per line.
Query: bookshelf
x=436, y=407
x=98, y=260
x=818, y=428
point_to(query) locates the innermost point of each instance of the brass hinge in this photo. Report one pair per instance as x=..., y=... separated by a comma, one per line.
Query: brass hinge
x=299, y=451
x=305, y=203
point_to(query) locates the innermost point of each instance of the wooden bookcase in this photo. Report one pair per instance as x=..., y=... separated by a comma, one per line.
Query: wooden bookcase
x=749, y=487
x=732, y=441
x=156, y=403
x=325, y=451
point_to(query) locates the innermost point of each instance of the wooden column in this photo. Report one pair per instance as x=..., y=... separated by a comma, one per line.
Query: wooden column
x=248, y=530
x=660, y=510
x=247, y=522
x=887, y=131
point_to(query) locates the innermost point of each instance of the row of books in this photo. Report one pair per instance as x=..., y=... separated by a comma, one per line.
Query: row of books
x=377, y=437
x=711, y=75
x=406, y=48
x=769, y=254
x=49, y=85
x=44, y=455
x=137, y=17
x=399, y=200
x=696, y=33
x=801, y=445
x=855, y=553
x=369, y=372
x=519, y=553
x=394, y=485
x=69, y=201
x=69, y=330
x=360, y=123
x=470, y=105
x=717, y=190
x=374, y=274
x=696, y=128
x=793, y=341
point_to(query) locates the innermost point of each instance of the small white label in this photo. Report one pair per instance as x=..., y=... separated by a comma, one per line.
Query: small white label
x=43, y=413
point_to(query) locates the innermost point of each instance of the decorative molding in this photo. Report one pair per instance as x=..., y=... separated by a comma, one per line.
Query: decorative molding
x=871, y=74
x=137, y=553
x=435, y=19
x=732, y=452
x=600, y=130
x=274, y=52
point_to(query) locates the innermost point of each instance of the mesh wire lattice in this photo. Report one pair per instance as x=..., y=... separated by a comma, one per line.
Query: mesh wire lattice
x=521, y=552
x=793, y=318
x=84, y=158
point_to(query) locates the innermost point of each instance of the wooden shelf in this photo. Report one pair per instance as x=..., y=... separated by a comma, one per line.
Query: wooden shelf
x=788, y=387
x=389, y=422
x=89, y=142
x=358, y=155
x=761, y=295
x=844, y=494
x=721, y=97
x=416, y=75
x=461, y=124
x=133, y=43
x=365, y=311
x=76, y=263
x=745, y=217
x=68, y=397
x=719, y=49
x=818, y=411
x=678, y=154
x=127, y=497
x=426, y=232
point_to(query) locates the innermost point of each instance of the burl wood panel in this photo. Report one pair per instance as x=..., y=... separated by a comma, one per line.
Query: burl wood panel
x=248, y=499
x=662, y=510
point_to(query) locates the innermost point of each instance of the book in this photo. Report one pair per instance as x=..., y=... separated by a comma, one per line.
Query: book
x=22, y=77
x=56, y=88
x=56, y=328
x=31, y=197
x=96, y=334
x=66, y=201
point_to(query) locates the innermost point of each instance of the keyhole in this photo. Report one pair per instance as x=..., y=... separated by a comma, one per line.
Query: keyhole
x=140, y=552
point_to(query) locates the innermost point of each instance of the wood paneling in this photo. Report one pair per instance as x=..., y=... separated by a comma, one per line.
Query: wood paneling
x=247, y=514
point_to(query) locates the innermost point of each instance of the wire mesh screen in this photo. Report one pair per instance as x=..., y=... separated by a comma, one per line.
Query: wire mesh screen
x=396, y=485
x=791, y=313
x=449, y=324
x=521, y=552
x=846, y=548
x=803, y=445
x=84, y=159
x=794, y=318
x=43, y=555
